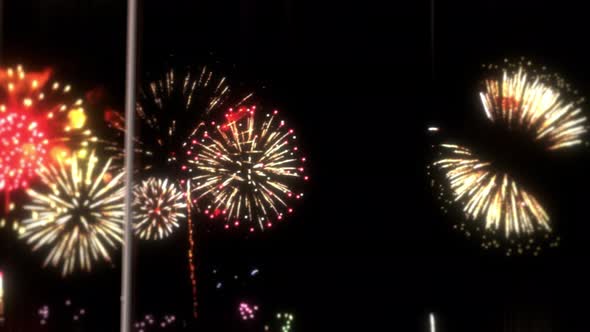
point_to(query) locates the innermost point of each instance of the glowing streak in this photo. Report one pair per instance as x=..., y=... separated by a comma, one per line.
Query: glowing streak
x=432, y=323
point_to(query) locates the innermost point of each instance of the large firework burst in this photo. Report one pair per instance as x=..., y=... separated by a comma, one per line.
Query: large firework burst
x=171, y=107
x=521, y=97
x=496, y=207
x=246, y=169
x=76, y=214
x=516, y=97
x=159, y=206
x=38, y=118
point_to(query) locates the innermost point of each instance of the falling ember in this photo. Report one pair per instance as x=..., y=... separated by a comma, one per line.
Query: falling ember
x=525, y=99
x=247, y=169
x=75, y=214
x=159, y=206
x=191, y=251
x=492, y=199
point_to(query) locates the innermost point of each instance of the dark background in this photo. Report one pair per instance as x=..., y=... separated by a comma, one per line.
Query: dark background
x=360, y=81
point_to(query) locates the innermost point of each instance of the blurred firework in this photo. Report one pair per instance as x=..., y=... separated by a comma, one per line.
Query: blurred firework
x=493, y=202
x=283, y=323
x=77, y=213
x=159, y=206
x=170, y=108
x=151, y=323
x=247, y=311
x=521, y=97
x=245, y=169
x=39, y=118
x=23, y=150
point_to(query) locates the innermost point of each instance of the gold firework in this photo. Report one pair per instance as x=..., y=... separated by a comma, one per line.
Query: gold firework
x=246, y=169
x=77, y=214
x=159, y=205
x=522, y=98
x=492, y=199
x=172, y=107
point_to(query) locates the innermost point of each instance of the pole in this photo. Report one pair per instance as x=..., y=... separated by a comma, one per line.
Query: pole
x=432, y=323
x=130, y=95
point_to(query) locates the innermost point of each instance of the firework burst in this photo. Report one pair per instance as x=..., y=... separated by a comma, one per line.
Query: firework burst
x=77, y=213
x=159, y=206
x=170, y=108
x=520, y=97
x=39, y=119
x=246, y=169
x=494, y=203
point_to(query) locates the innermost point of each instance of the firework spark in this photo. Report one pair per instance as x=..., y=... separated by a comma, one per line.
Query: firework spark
x=492, y=197
x=77, y=214
x=522, y=98
x=172, y=107
x=246, y=170
x=159, y=206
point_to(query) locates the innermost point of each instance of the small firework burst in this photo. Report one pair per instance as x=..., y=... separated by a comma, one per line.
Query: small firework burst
x=77, y=213
x=284, y=322
x=159, y=206
x=246, y=169
x=170, y=108
x=493, y=202
x=247, y=311
x=521, y=97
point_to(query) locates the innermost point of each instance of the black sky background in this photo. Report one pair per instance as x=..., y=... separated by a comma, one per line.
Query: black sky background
x=368, y=248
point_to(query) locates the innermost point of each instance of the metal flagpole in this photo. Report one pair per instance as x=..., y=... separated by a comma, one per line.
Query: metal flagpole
x=432, y=323
x=130, y=95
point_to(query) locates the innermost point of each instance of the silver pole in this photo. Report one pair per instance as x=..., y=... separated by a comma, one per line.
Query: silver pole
x=130, y=95
x=432, y=323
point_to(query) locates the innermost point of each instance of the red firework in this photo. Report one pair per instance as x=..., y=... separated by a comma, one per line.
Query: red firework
x=39, y=120
x=23, y=147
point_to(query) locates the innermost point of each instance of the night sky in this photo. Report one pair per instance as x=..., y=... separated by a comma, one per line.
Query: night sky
x=368, y=249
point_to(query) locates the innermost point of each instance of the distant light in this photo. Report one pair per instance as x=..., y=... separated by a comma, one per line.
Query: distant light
x=432, y=129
